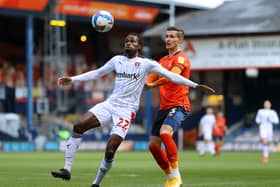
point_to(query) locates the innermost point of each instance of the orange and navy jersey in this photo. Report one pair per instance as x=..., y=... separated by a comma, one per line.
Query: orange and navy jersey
x=172, y=94
x=219, y=127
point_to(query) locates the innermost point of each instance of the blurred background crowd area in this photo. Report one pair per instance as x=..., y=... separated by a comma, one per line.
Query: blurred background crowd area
x=220, y=46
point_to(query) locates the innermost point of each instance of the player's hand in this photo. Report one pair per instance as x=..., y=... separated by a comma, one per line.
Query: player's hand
x=148, y=86
x=65, y=80
x=203, y=87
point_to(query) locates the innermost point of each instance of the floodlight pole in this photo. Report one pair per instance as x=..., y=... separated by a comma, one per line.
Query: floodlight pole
x=171, y=13
x=180, y=133
x=29, y=64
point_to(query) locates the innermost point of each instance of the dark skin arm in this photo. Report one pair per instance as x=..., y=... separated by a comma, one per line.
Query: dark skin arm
x=65, y=80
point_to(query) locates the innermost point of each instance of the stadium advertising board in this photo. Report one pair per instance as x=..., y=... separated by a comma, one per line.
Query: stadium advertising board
x=248, y=146
x=234, y=52
x=86, y=146
x=30, y=5
x=119, y=11
x=126, y=145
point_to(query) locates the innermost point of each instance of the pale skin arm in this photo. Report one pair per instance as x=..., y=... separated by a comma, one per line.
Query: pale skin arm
x=226, y=129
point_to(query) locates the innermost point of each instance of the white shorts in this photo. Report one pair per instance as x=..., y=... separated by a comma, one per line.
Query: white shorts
x=207, y=135
x=120, y=117
x=266, y=134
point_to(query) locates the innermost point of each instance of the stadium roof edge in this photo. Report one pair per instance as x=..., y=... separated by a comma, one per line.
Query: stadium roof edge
x=234, y=17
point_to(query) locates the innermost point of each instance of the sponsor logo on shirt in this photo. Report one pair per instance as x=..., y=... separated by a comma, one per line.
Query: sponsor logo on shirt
x=132, y=76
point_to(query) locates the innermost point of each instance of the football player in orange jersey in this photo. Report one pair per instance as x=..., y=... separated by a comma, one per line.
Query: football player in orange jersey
x=219, y=131
x=174, y=106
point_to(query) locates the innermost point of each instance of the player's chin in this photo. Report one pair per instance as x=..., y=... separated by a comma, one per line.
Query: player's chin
x=168, y=47
x=129, y=47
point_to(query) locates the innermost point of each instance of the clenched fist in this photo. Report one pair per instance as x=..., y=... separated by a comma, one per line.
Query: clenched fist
x=63, y=81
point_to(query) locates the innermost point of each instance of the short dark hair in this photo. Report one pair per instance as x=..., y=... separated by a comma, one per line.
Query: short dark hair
x=180, y=32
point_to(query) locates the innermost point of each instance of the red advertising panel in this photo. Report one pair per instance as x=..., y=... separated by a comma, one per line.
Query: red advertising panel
x=32, y=5
x=119, y=11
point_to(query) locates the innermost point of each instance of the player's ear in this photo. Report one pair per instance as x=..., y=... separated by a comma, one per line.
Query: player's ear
x=181, y=39
x=139, y=46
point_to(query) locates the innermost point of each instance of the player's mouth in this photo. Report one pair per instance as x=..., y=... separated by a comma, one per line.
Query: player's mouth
x=129, y=47
x=168, y=44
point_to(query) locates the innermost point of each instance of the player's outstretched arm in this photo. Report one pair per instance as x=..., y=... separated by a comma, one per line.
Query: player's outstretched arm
x=63, y=81
x=200, y=87
x=205, y=88
x=97, y=73
x=177, y=79
x=158, y=69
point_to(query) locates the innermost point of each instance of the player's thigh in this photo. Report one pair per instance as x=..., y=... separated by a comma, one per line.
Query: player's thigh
x=122, y=119
x=103, y=112
x=218, y=139
x=265, y=133
x=161, y=115
x=207, y=135
x=269, y=135
x=175, y=117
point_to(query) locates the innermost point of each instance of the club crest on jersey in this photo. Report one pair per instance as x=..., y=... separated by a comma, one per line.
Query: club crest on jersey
x=137, y=64
x=181, y=60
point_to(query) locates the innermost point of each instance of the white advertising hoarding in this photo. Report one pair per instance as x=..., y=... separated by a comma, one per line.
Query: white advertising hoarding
x=233, y=52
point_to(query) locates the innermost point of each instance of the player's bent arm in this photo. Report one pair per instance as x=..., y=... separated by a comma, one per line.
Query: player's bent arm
x=275, y=118
x=94, y=74
x=156, y=68
x=164, y=80
x=226, y=130
x=258, y=120
x=152, y=77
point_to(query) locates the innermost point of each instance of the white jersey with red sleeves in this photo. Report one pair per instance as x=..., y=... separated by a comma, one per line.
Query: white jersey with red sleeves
x=130, y=78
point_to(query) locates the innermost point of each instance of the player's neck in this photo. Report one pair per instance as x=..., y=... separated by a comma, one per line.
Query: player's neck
x=131, y=54
x=174, y=51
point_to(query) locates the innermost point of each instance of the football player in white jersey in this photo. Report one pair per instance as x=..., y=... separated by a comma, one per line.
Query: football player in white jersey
x=266, y=117
x=206, y=126
x=119, y=109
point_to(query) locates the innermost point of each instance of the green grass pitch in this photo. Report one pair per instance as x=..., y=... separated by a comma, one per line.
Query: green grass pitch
x=138, y=169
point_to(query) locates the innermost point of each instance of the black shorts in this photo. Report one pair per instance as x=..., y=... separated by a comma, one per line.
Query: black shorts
x=172, y=116
x=215, y=138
